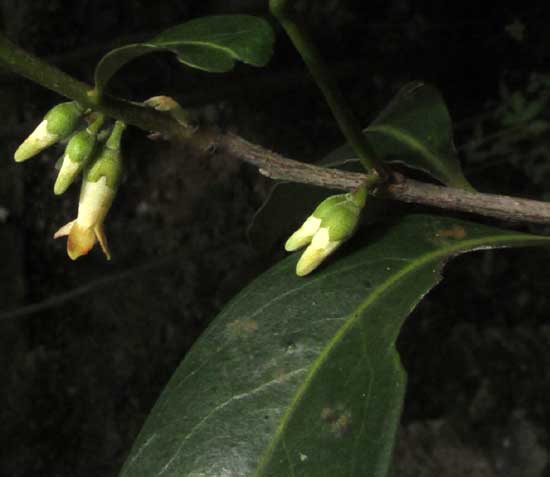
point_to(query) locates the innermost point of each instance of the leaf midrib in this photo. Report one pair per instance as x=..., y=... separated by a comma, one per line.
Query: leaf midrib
x=413, y=143
x=213, y=38
x=463, y=246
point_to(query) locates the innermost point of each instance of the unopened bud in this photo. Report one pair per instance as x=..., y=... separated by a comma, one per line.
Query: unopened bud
x=331, y=224
x=58, y=124
x=78, y=153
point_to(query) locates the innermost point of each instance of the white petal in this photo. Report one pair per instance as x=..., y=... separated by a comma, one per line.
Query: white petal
x=319, y=249
x=303, y=235
x=95, y=200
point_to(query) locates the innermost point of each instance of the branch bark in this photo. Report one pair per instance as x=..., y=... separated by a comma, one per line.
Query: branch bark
x=271, y=164
x=398, y=187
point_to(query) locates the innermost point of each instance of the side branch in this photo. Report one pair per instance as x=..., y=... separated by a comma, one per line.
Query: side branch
x=270, y=164
x=400, y=188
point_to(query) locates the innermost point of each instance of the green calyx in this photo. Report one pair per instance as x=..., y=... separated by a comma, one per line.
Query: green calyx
x=324, y=209
x=340, y=214
x=81, y=146
x=63, y=119
x=342, y=222
x=108, y=163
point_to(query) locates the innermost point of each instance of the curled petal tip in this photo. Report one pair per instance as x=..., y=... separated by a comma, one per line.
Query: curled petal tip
x=80, y=242
x=64, y=231
x=102, y=239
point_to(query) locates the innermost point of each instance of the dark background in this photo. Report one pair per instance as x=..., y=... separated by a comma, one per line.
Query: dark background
x=86, y=347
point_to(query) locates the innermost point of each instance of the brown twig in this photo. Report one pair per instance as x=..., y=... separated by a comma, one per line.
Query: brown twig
x=269, y=163
x=399, y=188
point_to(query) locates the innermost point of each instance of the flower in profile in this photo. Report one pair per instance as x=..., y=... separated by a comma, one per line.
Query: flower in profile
x=99, y=186
x=58, y=124
x=332, y=223
x=77, y=154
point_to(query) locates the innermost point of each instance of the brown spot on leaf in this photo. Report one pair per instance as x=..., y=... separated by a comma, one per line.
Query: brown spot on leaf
x=342, y=425
x=328, y=414
x=338, y=420
x=243, y=327
x=455, y=232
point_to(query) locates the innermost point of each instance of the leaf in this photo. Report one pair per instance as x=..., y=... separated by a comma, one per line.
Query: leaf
x=415, y=129
x=211, y=44
x=300, y=377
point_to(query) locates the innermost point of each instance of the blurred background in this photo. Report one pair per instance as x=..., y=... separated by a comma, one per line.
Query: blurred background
x=86, y=346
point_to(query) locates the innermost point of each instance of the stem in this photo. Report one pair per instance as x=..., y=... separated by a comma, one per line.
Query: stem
x=31, y=67
x=96, y=126
x=275, y=166
x=269, y=163
x=113, y=142
x=340, y=108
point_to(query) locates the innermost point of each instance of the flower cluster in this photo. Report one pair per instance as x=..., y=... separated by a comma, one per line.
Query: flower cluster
x=332, y=223
x=91, y=152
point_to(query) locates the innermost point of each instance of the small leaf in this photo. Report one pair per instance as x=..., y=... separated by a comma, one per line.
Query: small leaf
x=301, y=376
x=211, y=44
x=415, y=129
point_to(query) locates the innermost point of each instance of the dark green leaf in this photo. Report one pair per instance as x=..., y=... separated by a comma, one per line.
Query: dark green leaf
x=211, y=44
x=300, y=376
x=416, y=130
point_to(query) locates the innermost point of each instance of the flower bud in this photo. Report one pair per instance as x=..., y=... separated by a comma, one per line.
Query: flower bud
x=305, y=233
x=98, y=191
x=166, y=104
x=332, y=223
x=58, y=124
x=77, y=155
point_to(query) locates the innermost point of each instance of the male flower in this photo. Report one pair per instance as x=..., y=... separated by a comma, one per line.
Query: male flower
x=331, y=224
x=58, y=124
x=99, y=185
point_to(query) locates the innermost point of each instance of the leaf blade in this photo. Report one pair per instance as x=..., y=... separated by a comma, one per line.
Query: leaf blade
x=297, y=376
x=212, y=44
x=415, y=129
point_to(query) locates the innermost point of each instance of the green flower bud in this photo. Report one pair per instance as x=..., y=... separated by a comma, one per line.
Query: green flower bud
x=331, y=224
x=77, y=155
x=305, y=233
x=58, y=124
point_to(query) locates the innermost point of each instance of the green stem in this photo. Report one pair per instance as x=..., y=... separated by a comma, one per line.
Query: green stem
x=31, y=67
x=116, y=136
x=97, y=124
x=340, y=109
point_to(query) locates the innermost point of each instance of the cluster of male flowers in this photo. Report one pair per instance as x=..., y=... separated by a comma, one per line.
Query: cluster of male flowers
x=92, y=152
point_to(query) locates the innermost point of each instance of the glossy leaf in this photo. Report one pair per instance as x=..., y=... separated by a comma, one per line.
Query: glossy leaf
x=415, y=129
x=211, y=44
x=300, y=376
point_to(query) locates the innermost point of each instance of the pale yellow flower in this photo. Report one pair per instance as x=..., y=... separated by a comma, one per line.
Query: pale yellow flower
x=87, y=229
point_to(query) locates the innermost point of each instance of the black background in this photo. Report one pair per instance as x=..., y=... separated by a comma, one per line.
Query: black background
x=86, y=347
